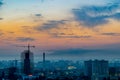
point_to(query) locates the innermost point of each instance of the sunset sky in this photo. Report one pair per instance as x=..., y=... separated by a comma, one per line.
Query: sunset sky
x=64, y=29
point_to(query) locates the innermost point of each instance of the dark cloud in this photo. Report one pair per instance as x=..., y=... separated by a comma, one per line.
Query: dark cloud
x=1, y=18
x=92, y=16
x=10, y=32
x=38, y=15
x=64, y=35
x=28, y=29
x=75, y=36
x=25, y=39
x=1, y=3
x=111, y=34
x=50, y=25
x=116, y=16
x=1, y=33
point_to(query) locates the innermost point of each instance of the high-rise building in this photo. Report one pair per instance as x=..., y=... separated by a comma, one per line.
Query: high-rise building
x=97, y=69
x=88, y=68
x=100, y=69
x=44, y=61
x=27, y=61
x=43, y=57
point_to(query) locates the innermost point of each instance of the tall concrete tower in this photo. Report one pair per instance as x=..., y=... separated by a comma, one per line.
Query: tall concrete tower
x=44, y=64
x=27, y=61
x=43, y=57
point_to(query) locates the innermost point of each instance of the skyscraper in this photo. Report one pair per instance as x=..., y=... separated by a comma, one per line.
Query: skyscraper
x=27, y=61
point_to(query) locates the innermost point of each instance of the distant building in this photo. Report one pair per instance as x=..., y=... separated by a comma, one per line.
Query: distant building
x=44, y=61
x=100, y=69
x=97, y=69
x=88, y=68
x=27, y=62
x=114, y=70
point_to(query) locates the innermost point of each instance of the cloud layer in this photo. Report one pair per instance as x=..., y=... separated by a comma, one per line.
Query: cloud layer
x=25, y=39
x=1, y=3
x=87, y=53
x=92, y=16
x=50, y=25
x=111, y=34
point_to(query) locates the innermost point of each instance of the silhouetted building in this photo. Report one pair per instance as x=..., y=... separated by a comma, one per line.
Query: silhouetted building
x=100, y=69
x=88, y=68
x=27, y=62
x=44, y=67
x=43, y=57
x=97, y=69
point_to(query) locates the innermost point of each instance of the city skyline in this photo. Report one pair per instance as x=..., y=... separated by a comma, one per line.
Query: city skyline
x=63, y=29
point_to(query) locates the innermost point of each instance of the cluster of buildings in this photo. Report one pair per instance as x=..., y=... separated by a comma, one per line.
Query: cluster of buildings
x=26, y=69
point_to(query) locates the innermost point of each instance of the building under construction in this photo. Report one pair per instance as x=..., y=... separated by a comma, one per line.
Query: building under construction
x=27, y=63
